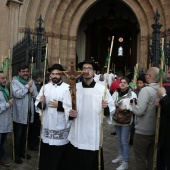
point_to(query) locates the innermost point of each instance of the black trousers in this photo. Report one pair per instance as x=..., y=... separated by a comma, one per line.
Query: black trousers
x=79, y=159
x=20, y=131
x=3, y=137
x=52, y=157
x=34, y=132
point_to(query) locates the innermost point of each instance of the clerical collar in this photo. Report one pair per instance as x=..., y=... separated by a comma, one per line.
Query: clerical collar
x=58, y=84
x=92, y=84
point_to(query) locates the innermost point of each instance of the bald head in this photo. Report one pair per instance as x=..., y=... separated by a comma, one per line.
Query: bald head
x=151, y=75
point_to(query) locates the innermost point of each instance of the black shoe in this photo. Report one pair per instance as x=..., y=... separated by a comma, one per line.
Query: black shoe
x=4, y=162
x=27, y=156
x=113, y=134
x=18, y=160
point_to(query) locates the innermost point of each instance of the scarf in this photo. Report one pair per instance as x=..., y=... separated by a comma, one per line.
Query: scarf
x=5, y=92
x=21, y=80
x=121, y=94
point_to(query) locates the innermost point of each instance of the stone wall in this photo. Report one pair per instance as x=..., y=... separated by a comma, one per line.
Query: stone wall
x=61, y=22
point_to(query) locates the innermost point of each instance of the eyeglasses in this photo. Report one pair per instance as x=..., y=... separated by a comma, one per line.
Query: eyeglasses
x=87, y=68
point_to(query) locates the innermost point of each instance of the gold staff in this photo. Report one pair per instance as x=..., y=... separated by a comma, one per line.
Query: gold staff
x=9, y=69
x=159, y=110
x=28, y=118
x=42, y=105
x=101, y=127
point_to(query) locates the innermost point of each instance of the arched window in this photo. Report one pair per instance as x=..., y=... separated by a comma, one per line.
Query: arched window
x=120, y=51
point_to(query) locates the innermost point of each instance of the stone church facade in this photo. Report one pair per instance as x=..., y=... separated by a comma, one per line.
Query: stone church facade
x=65, y=22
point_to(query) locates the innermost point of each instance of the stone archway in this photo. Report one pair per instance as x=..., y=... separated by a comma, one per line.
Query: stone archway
x=62, y=19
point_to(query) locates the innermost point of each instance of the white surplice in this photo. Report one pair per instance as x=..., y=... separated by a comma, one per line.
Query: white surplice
x=55, y=128
x=85, y=128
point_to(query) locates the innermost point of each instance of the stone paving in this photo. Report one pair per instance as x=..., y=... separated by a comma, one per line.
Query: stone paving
x=109, y=148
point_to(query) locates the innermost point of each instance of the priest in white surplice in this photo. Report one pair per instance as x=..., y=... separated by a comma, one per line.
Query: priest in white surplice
x=85, y=121
x=55, y=128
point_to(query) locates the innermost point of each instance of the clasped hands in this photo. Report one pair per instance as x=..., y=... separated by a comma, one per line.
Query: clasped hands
x=52, y=103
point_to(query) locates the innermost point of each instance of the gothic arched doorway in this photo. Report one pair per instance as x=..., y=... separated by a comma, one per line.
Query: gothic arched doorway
x=101, y=21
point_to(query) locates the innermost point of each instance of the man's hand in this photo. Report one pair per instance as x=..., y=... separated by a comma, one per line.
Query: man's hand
x=161, y=91
x=30, y=83
x=31, y=90
x=53, y=103
x=42, y=99
x=73, y=113
x=157, y=102
x=10, y=102
x=104, y=103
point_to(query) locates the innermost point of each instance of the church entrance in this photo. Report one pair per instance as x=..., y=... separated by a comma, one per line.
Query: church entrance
x=106, y=19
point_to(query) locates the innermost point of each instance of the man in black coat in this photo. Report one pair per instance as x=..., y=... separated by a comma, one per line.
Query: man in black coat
x=163, y=161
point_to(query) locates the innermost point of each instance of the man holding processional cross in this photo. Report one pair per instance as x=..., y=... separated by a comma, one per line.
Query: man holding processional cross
x=84, y=135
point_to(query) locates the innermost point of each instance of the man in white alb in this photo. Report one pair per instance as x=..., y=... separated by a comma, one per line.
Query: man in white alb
x=54, y=124
x=84, y=134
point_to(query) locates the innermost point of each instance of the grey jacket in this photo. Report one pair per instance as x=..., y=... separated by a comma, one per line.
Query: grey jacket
x=145, y=110
x=5, y=117
x=21, y=99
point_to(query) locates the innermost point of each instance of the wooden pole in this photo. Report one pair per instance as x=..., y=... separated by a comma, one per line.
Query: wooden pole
x=158, y=113
x=136, y=69
x=10, y=81
x=42, y=106
x=28, y=118
x=102, y=116
x=2, y=60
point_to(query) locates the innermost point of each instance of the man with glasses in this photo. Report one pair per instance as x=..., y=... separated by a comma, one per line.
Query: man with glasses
x=23, y=90
x=84, y=134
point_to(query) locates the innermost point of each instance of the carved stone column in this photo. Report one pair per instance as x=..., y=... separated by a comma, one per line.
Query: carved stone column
x=14, y=8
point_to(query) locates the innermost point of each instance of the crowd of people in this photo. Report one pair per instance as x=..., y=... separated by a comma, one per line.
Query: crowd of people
x=70, y=133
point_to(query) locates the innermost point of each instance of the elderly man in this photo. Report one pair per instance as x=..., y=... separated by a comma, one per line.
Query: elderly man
x=145, y=121
x=5, y=117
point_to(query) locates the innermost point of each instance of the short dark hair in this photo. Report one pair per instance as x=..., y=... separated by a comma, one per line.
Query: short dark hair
x=141, y=78
x=36, y=74
x=126, y=79
x=1, y=71
x=23, y=67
